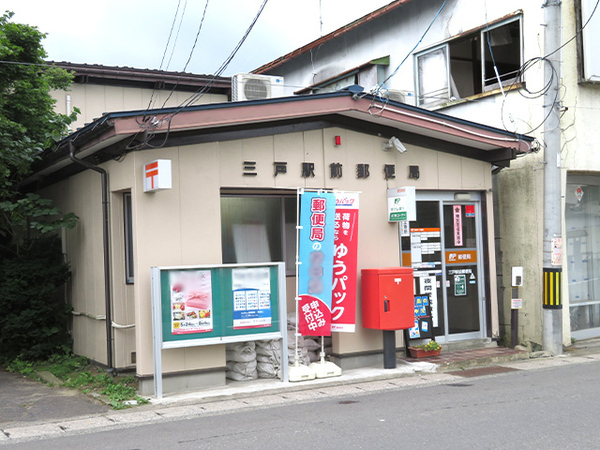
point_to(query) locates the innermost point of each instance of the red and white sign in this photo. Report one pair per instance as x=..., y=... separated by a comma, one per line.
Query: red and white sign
x=458, y=234
x=343, y=312
x=157, y=175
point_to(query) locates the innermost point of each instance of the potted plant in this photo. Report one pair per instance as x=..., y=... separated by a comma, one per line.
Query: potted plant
x=432, y=348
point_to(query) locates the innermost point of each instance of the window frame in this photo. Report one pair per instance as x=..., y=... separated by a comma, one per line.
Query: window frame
x=285, y=239
x=128, y=237
x=479, y=34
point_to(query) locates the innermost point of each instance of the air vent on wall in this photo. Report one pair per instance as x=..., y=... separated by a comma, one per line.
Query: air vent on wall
x=245, y=86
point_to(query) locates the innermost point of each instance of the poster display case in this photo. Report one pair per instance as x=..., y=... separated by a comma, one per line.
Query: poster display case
x=208, y=305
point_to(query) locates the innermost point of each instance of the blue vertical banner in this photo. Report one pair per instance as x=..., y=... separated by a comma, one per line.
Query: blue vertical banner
x=315, y=273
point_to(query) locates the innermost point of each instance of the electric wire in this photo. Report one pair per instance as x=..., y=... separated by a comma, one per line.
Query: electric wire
x=190, y=55
x=527, y=93
x=170, y=34
x=155, y=122
x=154, y=89
x=577, y=33
x=177, y=35
x=197, y=35
x=382, y=84
x=489, y=44
x=198, y=94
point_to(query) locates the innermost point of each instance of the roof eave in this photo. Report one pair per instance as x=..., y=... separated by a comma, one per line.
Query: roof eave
x=362, y=111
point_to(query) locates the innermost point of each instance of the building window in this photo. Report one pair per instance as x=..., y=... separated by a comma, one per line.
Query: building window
x=128, y=233
x=582, y=224
x=471, y=64
x=259, y=229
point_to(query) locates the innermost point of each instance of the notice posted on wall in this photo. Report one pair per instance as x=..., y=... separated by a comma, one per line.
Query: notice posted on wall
x=191, y=301
x=251, y=298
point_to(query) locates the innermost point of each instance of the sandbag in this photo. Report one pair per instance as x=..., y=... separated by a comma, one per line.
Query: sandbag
x=240, y=357
x=242, y=367
x=311, y=345
x=266, y=370
x=241, y=351
x=268, y=348
x=239, y=377
x=313, y=357
x=242, y=347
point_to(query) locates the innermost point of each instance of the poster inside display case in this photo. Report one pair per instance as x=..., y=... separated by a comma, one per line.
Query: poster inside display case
x=217, y=304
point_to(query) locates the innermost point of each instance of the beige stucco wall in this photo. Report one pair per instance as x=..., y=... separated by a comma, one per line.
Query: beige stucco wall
x=94, y=100
x=82, y=195
x=181, y=226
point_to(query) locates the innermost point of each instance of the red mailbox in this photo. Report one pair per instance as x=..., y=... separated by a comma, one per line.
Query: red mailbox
x=388, y=298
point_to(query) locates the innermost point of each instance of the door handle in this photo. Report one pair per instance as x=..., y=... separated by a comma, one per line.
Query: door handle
x=386, y=306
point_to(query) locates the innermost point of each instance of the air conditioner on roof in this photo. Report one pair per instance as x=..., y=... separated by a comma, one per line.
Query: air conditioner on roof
x=248, y=86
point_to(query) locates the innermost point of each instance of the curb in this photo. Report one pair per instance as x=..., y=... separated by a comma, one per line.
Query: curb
x=425, y=374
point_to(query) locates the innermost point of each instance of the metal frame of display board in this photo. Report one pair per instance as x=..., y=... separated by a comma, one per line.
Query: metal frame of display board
x=221, y=287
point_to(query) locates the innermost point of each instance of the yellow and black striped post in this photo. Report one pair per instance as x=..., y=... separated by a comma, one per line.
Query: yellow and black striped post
x=552, y=288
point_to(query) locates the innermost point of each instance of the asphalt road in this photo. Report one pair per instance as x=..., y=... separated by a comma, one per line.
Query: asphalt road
x=551, y=408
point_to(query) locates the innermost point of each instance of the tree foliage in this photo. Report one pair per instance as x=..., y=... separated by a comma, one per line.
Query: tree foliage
x=28, y=124
x=33, y=312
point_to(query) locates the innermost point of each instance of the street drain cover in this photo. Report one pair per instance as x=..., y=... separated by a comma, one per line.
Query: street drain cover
x=482, y=371
x=347, y=402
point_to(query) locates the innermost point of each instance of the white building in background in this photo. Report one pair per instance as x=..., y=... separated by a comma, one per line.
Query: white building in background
x=485, y=61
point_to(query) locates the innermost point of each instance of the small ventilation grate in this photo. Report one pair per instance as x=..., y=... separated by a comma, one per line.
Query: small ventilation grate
x=256, y=89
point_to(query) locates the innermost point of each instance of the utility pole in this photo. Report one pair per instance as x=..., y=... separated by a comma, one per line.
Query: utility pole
x=552, y=261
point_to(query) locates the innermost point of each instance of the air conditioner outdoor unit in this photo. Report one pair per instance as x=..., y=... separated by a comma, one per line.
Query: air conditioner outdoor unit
x=248, y=86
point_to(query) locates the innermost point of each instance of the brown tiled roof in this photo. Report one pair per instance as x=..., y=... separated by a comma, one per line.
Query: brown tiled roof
x=99, y=74
x=334, y=34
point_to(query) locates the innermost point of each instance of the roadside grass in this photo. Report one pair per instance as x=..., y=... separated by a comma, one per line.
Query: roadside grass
x=77, y=372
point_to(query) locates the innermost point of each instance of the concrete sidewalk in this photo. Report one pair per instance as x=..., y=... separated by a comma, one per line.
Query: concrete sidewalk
x=25, y=401
x=61, y=413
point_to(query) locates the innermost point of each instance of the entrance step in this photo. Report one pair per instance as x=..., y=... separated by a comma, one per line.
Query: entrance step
x=471, y=344
x=482, y=356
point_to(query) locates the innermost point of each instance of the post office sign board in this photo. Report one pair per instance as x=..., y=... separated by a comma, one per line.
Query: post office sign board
x=402, y=204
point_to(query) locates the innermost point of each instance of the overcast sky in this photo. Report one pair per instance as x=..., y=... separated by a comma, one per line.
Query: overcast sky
x=135, y=33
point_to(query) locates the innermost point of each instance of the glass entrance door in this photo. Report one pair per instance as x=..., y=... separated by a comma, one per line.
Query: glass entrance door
x=443, y=247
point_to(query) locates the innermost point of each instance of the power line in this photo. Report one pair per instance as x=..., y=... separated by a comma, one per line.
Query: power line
x=148, y=136
x=151, y=101
x=191, y=52
x=524, y=91
x=190, y=100
x=177, y=35
x=382, y=84
x=197, y=34
x=170, y=35
x=577, y=33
